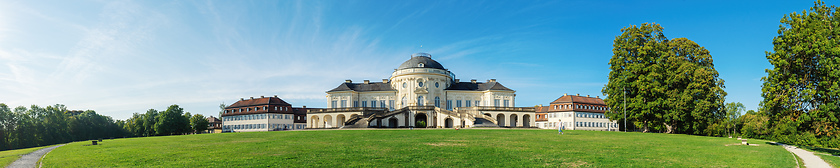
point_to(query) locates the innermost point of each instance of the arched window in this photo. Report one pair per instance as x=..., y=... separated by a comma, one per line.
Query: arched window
x=404, y=101
x=437, y=102
x=419, y=100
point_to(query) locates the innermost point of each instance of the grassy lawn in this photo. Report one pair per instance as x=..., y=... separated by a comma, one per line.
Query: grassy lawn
x=829, y=155
x=834, y=161
x=422, y=148
x=9, y=156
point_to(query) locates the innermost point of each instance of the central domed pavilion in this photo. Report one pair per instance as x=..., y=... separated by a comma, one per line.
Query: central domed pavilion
x=421, y=93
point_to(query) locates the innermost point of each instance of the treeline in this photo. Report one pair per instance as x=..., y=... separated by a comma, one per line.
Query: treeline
x=172, y=121
x=40, y=126
x=35, y=126
x=802, y=91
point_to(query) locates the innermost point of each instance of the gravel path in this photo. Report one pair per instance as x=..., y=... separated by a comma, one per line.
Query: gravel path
x=810, y=160
x=31, y=160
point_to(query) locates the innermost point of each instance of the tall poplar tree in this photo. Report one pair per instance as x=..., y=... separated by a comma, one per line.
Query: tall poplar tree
x=802, y=91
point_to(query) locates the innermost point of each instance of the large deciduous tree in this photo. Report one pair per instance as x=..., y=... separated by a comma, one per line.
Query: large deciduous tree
x=802, y=91
x=670, y=85
x=199, y=123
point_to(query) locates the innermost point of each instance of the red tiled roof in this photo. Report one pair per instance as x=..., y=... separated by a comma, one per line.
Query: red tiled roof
x=579, y=100
x=259, y=101
x=542, y=109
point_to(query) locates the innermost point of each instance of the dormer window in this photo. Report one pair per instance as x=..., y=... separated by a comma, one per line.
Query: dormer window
x=420, y=65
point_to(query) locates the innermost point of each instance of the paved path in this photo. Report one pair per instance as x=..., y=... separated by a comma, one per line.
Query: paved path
x=31, y=160
x=811, y=160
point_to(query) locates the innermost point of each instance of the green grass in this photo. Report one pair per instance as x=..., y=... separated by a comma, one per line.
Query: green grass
x=9, y=156
x=834, y=161
x=422, y=148
x=829, y=155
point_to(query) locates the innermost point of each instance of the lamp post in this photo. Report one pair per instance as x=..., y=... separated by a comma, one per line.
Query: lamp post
x=625, y=107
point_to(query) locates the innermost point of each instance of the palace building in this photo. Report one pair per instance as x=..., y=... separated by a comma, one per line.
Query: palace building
x=263, y=114
x=421, y=93
x=575, y=112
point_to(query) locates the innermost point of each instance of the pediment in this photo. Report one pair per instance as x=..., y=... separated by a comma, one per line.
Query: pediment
x=421, y=91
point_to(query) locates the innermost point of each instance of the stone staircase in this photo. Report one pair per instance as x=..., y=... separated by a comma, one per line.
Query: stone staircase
x=356, y=122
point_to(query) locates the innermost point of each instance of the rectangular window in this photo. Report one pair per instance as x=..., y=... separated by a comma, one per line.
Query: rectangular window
x=457, y=103
x=373, y=103
x=507, y=103
x=343, y=103
x=355, y=103
x=364, y=104
x=468, y=103
x=391, y=104
x=333, y=104
x=382, y=103
x=477, y=103
x=496, y=103
x=449, y=104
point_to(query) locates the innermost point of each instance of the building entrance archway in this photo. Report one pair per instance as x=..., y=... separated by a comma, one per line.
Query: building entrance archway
x=500, y=119
x=315, y=123
x=448, y=123
x=392, y=123
x=420, y=120
x=513, y=120
x=526, y=120
x=339, y=120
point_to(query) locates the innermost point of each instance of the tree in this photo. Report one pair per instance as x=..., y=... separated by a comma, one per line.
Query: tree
x=670, y=85
x=199, y=123
x=222, y=109
x=134, y=125
x=801, y=91
x=754, y=125
x=733, y=112
x=150, y=118
x=172, y=121
x=6, y=120
x=184, y=122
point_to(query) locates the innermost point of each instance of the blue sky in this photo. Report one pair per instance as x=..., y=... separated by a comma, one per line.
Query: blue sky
x=121, y=57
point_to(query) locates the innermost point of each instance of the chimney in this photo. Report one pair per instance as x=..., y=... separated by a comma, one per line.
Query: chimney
x=348, y=81
x=384, y=80
x=598, y=97
x=457, y=80
x=587, y=95
x=473, y=80
x=252, y=97
x=367, y=81
x=275, y=96
x=262, y=97
x=564, y=94
x=241, y=98
x=492, y=80
x=578, y=94
x=304, y=107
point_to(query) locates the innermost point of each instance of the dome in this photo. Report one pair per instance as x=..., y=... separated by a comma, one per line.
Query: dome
x=421, y=60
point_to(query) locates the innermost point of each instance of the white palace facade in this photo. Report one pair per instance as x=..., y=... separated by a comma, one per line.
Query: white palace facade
x=421, y=93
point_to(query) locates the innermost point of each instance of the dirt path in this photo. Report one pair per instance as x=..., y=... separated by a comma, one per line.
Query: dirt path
x=810, y=160
x=31, y=160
